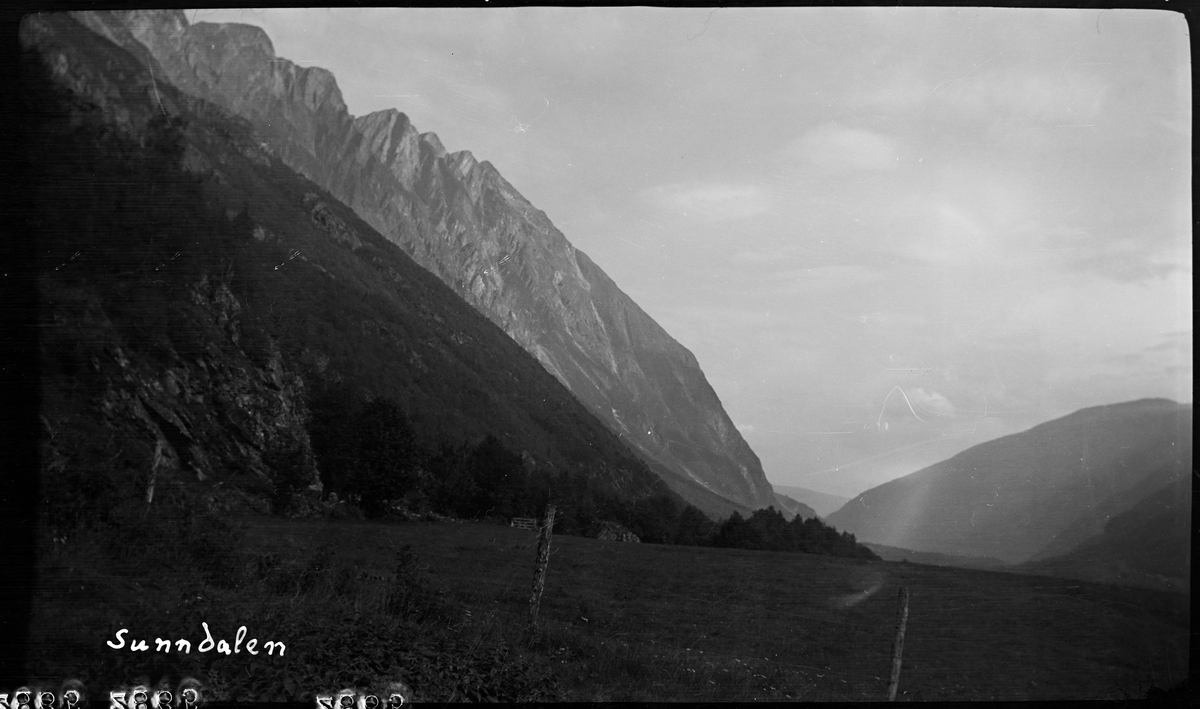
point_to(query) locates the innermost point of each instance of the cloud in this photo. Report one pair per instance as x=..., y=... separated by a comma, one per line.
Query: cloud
x=941, y=232
x=833, y=147
x=1174, y=341
x=1070, y=96
x=713, y=200
x=766, y=256
x=927, y=401
x=1073, y=98
x=828, y=278
x=1125, y=260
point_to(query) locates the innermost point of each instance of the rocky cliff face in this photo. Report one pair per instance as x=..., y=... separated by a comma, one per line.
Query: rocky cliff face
x=214, y=414
x=460, y=219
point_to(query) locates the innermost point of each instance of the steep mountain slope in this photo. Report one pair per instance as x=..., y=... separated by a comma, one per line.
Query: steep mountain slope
x=188, y=279
x=1050, y=487
x=823, y=503
x=460, y=219
x=1147, y=545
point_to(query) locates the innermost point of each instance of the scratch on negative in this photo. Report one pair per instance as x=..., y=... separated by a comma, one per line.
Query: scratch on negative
x=968, y=73
x=154, y=83
x=705, y=28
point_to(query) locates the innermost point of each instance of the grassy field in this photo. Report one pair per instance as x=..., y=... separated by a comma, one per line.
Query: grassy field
x=649, y=622
x=627, y=621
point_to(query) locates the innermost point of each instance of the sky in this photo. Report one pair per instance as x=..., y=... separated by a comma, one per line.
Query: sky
x=887, y=234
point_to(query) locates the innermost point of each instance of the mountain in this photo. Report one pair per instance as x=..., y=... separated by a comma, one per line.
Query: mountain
x=1032, y=494
x=930, y=558
x=460, y=219
x=1147, y=545
x=793, y=508
x=194, y=291
x=822, y=503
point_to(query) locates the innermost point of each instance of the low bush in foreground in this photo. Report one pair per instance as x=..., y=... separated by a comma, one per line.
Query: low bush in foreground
x=161, y=571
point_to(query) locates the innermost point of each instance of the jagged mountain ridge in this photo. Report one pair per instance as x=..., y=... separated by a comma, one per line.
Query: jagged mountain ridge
x=1031, y=494
x=195, y=363
x=460, y=219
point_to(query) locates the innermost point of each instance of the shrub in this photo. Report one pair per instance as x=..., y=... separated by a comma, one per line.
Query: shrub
x=290, y=470
x=412, y=595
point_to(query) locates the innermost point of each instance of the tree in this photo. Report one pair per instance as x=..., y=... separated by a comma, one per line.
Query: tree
x=499, y=474
x=384, y=462
x=452, y=489
x=769, y=529
x=333, y=412
x=290, y=469
x=734, y=534
x=693, y=528
x=654, y=519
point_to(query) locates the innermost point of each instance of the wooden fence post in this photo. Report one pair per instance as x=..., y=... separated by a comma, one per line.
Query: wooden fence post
x=539, y=571
x=898, y=645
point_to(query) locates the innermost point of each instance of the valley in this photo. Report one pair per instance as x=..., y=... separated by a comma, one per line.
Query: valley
x=822, y=503
x=302, y=375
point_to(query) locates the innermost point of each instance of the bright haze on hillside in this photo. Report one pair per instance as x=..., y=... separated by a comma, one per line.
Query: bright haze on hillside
x=886, y=234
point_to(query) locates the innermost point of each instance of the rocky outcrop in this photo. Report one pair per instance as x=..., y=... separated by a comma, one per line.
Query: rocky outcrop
x=207, y=415
x=331, y=223
x=459, y=218
x=613, y=532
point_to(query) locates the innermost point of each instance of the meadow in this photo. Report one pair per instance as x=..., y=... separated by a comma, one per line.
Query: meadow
x=443, y=606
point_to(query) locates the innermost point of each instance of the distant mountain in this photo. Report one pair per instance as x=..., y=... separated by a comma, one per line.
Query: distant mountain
x=194, y=290
x=822, y=502
x=930, y=558
x=1042, y=491
x=461, y=220
x=1148, y=545
x=793, y=508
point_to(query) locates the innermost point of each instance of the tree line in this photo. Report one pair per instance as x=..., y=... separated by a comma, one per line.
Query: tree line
x=368, y=453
